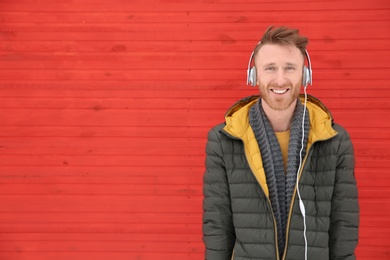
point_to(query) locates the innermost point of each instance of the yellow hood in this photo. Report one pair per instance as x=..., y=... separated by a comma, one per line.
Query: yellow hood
x=237, y=125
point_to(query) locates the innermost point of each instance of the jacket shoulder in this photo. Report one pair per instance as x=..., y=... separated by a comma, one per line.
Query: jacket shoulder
x=218, y=127
x=342, y=132
x=340, y=129
x=216, y=131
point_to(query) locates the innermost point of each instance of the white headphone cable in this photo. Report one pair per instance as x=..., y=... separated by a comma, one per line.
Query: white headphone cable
x=301, y=205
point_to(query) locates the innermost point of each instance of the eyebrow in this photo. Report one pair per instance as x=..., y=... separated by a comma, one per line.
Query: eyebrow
x=273, y=63
x=291, y=64
x=269, y=64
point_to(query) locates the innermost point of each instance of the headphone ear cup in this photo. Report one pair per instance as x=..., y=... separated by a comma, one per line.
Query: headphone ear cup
x=252, y=76
x=306, y=76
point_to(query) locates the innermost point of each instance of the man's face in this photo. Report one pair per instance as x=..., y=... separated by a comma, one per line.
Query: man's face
x=279, y=74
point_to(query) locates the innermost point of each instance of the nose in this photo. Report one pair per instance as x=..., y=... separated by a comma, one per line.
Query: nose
x=280, y=78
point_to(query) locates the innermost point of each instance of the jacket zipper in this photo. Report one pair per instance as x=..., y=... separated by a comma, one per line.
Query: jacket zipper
x=275, y=231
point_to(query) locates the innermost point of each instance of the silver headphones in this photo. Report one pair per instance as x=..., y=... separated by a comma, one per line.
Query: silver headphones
x=307, y=76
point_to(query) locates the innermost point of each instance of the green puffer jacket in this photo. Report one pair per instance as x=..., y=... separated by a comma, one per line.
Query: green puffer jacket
x=238, y=221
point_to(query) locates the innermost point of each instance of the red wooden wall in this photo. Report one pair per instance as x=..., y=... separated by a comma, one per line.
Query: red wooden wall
x=105, y=106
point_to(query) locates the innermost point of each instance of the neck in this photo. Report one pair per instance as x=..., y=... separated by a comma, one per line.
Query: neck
x=280, y=120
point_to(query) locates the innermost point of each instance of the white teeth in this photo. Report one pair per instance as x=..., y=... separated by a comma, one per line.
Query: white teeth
x=279, y=91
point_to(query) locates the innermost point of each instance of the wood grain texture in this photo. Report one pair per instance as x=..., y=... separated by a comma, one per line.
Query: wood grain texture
x=105, y=109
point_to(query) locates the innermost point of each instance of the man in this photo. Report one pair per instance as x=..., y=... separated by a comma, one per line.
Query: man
x=279, y=180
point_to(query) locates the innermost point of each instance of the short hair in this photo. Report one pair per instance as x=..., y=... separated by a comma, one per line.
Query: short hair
x=283, y=35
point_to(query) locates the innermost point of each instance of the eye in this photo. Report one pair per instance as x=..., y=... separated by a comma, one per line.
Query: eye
x=270, y=68
x=290, y=68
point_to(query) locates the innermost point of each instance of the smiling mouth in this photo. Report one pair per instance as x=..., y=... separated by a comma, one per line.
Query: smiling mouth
x=279, y=91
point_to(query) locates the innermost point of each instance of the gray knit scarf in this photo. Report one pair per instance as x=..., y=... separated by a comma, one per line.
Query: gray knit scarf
x=280, y=183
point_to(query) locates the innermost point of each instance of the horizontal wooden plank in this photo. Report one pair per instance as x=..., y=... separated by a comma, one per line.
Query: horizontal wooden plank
x=366, y=172
x=372, y=236
x=64, y=203
x=56, y=245
x=373, y=189
x=103, y=246
x=80, y=183
x=118, y=160
x=153, y=146
x=144, y=173
x=182, y=74
x=126, y=218
x=373, y=181
x=63, y=91
x=369, y=190
x=66, y=255
x=123, y=228
x=100, y=117
x=158, y=1
x=372, y=252
x=201, y=88
x=365, y=165
x=216, y=46
x=228, y=33
x=156, y=102
x=140, y=175
x=101, y=189
x=79, y=101
x=180, y=61
x=205, y=6
x=107, y=146
x=375, y=252
x=368, y=224
x=111, y=237
x=194, y=132
x=371, y=178
x=46, y=100
x=370, y=133
x=107, y=246
x=160, y=118
x=369, y=174
x=139, y=161
x=126, y=103
x=95, y=131
x=25, y=175
x=370, y=207
x=146, y=16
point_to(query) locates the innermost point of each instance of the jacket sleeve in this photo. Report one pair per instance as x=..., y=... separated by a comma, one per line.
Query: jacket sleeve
x=218, y=231
x=344, y=218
